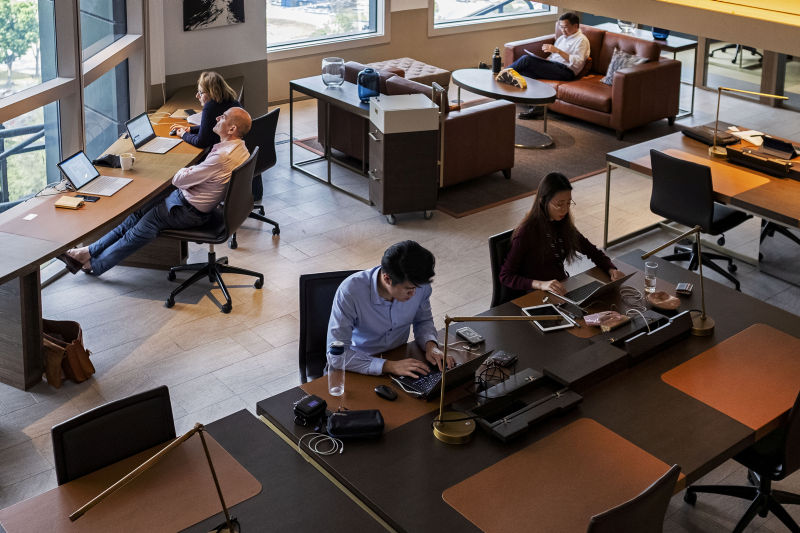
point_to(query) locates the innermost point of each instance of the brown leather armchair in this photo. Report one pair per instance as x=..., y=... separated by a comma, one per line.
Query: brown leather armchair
x=639, y=94
x=478, y=140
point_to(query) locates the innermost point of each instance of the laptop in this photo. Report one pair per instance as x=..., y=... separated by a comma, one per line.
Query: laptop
x=776, y=148
x=583, y=287
x=144, y=138
x=429, y=387
x=84, y=177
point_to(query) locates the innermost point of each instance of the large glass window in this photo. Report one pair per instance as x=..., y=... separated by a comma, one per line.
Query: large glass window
x=296, y=22
x=29, y=151
x=102, y=23
x=733, y=65
x=106, y=108
x=469, y=11
x=27, y=44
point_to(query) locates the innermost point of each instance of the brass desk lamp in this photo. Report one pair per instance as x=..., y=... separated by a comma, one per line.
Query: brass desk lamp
x=453, y=427
x=702, y=324
x=230, y=525
x=719, y=151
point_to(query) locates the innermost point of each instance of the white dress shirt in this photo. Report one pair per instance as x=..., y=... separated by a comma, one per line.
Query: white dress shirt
x=203, y=185
x=576, y=46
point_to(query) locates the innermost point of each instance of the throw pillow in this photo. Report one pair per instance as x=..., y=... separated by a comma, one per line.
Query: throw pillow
x=620, y=60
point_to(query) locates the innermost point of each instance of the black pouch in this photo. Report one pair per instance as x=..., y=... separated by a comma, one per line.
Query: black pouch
x=309, y=410
x=107, y=160
x=355, y=424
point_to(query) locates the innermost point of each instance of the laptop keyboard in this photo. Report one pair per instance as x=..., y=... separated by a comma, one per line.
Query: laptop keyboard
x=423, y=384
x=160, y=144
x=103, y=186
x=579, y=294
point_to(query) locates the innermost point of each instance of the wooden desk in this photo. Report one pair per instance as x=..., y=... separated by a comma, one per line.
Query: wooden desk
x=29, y=243
x=186, y=97
x=294, y=495
x=776, y=199
x=403, y=475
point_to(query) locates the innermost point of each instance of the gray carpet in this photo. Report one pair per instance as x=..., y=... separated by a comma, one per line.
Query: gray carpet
x=578, y=151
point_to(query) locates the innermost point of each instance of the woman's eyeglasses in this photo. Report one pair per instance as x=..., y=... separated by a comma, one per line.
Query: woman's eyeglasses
x=563, y=205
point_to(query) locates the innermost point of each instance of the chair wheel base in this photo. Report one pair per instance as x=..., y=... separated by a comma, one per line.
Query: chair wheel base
x=732, y=268
x=169, y=303
x=276, y=231
x=258, y=284
x=690, y=497
x=233, y=244
x=171, y=277
x=227, y=308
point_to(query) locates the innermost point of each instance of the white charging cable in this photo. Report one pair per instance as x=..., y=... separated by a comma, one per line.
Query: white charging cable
x=322, y=444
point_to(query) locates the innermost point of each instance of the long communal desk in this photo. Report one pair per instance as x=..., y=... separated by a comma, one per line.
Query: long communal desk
x=34, y=232
x=774, y=199
x=416, y=483
x=293, y=496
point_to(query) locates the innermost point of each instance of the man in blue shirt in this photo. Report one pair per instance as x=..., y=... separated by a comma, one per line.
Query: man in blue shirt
x=374, y=309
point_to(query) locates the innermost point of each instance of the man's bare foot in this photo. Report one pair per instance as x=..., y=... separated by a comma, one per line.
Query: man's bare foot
x=81, y=255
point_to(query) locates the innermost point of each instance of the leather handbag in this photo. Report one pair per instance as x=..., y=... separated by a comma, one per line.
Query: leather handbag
x=355, y=424
x=64, y=352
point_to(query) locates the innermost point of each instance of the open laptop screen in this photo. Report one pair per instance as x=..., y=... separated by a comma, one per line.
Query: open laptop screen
x=140, y=130
x=78, y=170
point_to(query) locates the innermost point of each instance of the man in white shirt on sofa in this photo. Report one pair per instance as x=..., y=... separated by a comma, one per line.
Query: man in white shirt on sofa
x=566, y=58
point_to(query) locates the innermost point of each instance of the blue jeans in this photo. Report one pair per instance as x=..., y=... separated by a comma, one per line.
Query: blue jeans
x=142, y=227
x=542, y=69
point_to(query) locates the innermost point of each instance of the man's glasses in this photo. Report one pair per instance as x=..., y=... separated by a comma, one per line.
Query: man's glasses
x=563, y=205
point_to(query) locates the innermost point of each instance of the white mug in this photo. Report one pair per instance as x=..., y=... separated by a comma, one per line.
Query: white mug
x=126, y=160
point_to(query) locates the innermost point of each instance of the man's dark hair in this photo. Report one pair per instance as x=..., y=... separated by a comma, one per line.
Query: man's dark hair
x=570, y=17
x=408, y=261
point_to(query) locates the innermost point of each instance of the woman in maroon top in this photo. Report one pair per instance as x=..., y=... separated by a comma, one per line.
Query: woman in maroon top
x=546, y=238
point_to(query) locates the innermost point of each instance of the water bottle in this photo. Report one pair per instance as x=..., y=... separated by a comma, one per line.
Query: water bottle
x=336, y=364
x=496, y=62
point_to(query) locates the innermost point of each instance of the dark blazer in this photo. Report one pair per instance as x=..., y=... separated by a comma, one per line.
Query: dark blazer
x=203, y=135
x=523, y=265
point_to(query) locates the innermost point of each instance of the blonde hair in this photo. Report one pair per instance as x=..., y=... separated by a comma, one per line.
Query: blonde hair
x=216, y=87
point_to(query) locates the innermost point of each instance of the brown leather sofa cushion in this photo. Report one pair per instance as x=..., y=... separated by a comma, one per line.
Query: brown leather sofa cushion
x=626, y=43
x=588, y=92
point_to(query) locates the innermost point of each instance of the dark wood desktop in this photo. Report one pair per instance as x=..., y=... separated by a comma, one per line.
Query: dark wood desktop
x=403, y=475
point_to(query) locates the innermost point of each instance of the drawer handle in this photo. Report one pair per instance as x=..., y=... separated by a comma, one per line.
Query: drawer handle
x=372, y=176
x=372, y=136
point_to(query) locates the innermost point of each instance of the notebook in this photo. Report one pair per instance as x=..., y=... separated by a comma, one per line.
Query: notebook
x=428, y=387
x=84, y=177
x=144, y=138
x=583, y=287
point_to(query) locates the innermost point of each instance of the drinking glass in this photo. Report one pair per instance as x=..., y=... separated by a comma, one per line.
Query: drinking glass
x=626, y=26
x=650, y=271
x=333, y=71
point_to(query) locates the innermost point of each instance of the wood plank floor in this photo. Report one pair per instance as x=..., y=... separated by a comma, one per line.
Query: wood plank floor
x=216, y=364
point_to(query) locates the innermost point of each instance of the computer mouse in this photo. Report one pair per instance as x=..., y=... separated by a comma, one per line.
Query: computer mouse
x=173, y=132
x=386, y=392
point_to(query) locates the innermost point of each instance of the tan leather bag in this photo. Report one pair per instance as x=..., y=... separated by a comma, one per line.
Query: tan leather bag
x=64, y=352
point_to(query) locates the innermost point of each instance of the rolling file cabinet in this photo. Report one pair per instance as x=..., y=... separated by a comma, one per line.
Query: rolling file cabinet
x=403, y=155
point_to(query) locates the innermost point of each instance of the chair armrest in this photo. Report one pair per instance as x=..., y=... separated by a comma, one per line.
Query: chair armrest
x=644, y=93
x=514, y=50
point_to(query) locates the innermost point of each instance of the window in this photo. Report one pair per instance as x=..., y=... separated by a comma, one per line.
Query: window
x=447, y=12
x=106, y=109
x=29, y=146
x=102, y=23
x=27, y=36
x=294, y=23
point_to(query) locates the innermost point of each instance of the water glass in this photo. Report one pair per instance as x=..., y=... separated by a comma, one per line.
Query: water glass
x=333, y=71
x=336, y=367
x=650, y=271
x=626, y=26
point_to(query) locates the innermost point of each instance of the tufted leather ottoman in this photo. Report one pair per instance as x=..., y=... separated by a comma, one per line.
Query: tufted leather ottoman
x=416, y=70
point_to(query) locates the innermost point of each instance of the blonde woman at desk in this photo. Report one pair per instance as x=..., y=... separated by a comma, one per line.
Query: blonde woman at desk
x=216, y=97
x=546, y=239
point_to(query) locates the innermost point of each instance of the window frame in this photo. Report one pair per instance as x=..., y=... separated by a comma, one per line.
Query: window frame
x=496, y=23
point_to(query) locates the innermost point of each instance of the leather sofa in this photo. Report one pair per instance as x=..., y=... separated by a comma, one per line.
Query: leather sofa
x=638, y=95
x=478, y=140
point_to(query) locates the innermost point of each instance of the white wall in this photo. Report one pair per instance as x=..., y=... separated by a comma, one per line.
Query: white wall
x=185, y=51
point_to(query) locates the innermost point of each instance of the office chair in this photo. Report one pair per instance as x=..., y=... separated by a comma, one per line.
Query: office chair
x=769, y=229
x=261, y=136
x=683, y=192
x=112, y=432
x=499, y=246
x=225, y=219
x=316, y=299
x=771, y=459
x=739, y=50
x=645, y=512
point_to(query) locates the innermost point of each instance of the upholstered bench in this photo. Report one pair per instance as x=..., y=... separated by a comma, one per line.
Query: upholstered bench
x=415, y=70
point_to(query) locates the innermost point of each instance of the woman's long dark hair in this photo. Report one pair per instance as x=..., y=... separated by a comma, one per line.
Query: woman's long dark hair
x=538, y=222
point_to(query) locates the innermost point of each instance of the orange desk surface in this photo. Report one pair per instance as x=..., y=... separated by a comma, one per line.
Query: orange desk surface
x=753, y=377
x=557, y=483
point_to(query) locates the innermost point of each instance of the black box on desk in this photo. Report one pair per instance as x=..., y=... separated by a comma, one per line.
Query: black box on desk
x=582, y=369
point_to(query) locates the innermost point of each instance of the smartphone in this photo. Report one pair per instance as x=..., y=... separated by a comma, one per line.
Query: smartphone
x=684, y=288
x=87, y=198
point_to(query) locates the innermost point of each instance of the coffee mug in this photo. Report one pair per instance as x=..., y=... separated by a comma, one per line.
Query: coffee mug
x=126, y=161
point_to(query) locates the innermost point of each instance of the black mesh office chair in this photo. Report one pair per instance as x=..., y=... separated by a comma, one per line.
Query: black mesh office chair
x=740, y=49
x=645, y=512
x=316, y=299
x=499, y=246
x=261, y=136
x=769, y=229
x=224, y=220
x=112, y=432
x=771, y=459
x=683, y=192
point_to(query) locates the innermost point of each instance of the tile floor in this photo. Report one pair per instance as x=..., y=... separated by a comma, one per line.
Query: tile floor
x=216, y=364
